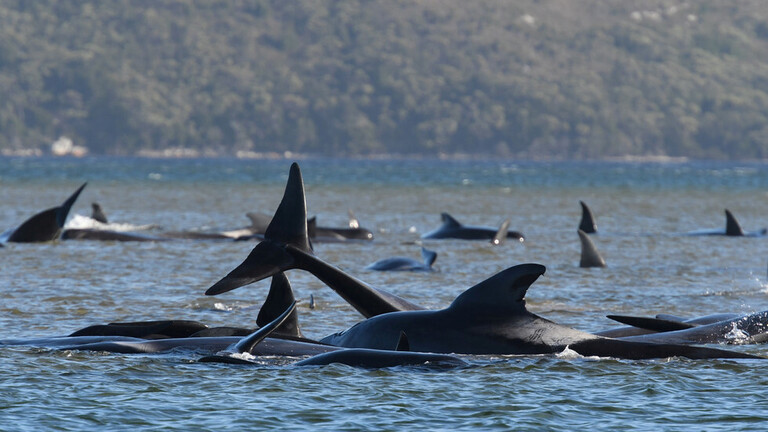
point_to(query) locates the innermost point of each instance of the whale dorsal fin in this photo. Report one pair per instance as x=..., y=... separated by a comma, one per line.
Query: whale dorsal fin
x=500, y=294
x=247, y=343
x=259, y=221
x=312, y=227
x=402, y=343
x=449, y=221
x=587, y=223
x=732, y=226
x=46, y=225
x=280, y=297
x=289, y=224
x=428, y=256
x=97, y=213
x=501, y=234
x=590, y=257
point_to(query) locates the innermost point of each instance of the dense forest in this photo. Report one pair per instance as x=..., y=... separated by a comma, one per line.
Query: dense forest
x=584, y=79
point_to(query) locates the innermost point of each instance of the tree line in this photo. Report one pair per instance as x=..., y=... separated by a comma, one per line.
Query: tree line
x=528, y=79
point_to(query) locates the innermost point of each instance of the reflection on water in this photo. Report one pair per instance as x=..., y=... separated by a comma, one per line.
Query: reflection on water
x=53, y=289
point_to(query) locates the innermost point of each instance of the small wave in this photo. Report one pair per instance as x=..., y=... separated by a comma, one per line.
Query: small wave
x=84, y=222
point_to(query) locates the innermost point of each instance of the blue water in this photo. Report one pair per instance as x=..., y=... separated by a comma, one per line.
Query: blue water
x=641, y=210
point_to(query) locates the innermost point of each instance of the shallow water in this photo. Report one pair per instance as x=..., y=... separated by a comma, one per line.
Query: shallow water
x=641, y=210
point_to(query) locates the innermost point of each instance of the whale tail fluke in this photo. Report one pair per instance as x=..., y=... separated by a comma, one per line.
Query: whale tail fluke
x=587, y=223
x=287, y=227
x=46, y=225
x=732, y=226
x=590, y=257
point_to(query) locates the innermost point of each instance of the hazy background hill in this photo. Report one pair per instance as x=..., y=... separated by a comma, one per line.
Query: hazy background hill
x=533, y=79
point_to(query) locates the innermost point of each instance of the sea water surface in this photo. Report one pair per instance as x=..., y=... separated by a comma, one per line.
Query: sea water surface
x=642, y=210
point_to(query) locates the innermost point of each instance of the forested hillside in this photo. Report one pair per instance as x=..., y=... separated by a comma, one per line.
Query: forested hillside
x=527, y=79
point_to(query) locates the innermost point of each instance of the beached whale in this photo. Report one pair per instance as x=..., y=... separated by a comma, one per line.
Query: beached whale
x=405, y=263
x=453, y=229
x=489, y=318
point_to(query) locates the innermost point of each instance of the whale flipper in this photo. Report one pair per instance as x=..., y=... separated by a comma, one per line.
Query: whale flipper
x=279, y=298
x=732, y=226
x=429, y=257
x=590, y=257
x=653, y=324
x=587, y=223
x=97, y=213
x=46, y=225
x=247, y=343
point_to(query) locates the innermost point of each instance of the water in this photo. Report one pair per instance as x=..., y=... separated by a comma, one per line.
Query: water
x=641, y=209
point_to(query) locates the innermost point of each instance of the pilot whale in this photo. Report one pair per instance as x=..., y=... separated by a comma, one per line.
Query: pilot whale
x=489, y=318
x=46, y=225
x=358, y=357
x=406, y=264
x=732, y=229
x=453, y=229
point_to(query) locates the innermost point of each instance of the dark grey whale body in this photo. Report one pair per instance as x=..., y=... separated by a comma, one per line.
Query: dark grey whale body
x=46, y=225
x=453, y=229
x=405, y=263
x=489, y=318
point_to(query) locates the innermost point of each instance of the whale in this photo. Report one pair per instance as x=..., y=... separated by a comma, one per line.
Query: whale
x=724, y=328
x=406, y=264
x=489, y=318
x=280, y=295
x=587, y=223
x=45, y=226
x=590, y=256
x=732, y=229
x=322, y=234
x=357, y=357
x=453, y=229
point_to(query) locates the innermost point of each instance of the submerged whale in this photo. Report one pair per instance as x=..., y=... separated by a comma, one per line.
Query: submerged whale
x=453, y=229
x=489, y=318
x=406, y=264
x=587, y=223
x=718, y=328
x=316, y=233
x=46, y=225
x=732, y=229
